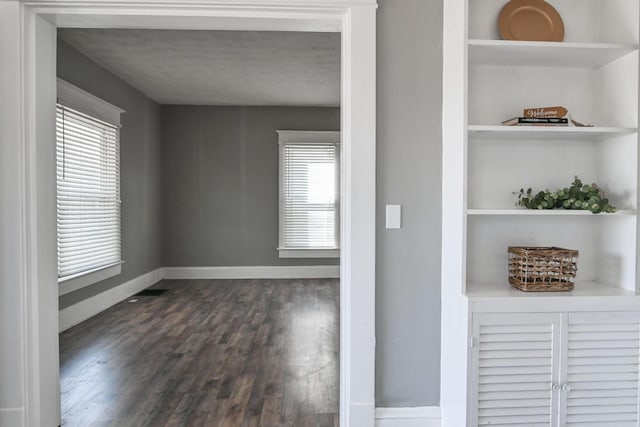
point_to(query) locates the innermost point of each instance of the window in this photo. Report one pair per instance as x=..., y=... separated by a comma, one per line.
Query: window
x=88, y=188
x=309, y=194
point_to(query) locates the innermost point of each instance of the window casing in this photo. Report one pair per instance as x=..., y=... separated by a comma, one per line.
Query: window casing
x=88, y=188
x=309, y=194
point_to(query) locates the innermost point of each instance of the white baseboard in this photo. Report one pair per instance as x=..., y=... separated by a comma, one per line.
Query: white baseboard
x=251, y=272
x=85, y=309
x=361, y=414
x=423, y=416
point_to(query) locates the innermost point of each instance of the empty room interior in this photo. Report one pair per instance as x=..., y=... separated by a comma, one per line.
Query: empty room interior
x=201, y=287
x=319, y=212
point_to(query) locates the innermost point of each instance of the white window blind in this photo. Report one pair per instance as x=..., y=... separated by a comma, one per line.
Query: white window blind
x=309, y=195
x=88, y=192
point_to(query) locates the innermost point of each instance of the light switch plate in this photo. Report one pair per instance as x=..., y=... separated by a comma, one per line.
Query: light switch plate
x=394, y=216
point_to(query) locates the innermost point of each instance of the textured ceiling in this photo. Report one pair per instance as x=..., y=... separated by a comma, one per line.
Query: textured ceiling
x=219, y=67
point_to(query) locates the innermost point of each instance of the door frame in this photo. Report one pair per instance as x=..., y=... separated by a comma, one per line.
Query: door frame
x=29, y=349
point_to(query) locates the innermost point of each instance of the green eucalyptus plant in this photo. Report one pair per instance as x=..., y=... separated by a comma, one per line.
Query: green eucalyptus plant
x=578, y=196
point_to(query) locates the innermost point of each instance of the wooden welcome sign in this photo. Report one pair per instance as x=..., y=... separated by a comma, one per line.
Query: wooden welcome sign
x=545, y=112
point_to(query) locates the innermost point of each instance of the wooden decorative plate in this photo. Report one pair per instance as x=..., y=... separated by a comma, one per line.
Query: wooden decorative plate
x=532, y=20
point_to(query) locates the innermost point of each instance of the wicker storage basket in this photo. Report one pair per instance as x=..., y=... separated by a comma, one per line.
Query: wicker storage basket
x=542, y=269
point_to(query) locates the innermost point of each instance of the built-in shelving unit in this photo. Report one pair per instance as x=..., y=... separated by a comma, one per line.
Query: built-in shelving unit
x=594, y=74
x=596, y=78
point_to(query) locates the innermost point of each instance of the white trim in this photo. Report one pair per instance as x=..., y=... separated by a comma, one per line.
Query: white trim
x=31, y=244
x=254, y=15
x=81, y=280
x=454, y=305
x=308, y=253
x=252, y=272
x=357, y=219
x=89, y=307
x=15, y=286
x=308, y=136
x=423, y=416
x=87, y=103
x=38, y=71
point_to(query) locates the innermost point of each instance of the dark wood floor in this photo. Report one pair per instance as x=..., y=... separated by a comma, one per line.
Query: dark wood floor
x=207, y=353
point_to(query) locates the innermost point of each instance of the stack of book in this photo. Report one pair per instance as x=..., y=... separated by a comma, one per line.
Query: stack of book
x=544, y=116
x=537, y=121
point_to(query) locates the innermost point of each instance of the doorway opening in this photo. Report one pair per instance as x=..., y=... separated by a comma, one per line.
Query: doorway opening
x=32, y=131
x=200, y=168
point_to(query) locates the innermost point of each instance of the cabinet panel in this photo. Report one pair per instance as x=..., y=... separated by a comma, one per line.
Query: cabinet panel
x=512, y=369
x=602, y=369
x=555, y=369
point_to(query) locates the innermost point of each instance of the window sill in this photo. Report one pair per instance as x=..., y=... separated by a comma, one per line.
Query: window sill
x=308, y=253
x=71, y=284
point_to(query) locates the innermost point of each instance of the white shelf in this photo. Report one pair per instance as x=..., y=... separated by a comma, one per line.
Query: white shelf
x=544, y=212
x=477, y=291
x=483, y=132
x=545, y=54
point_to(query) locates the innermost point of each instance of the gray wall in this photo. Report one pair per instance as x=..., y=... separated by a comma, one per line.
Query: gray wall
x=409, y=100
x=139, y=167
x=220, y=182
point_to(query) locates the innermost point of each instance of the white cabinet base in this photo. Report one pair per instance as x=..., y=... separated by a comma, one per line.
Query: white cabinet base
x=555, y=369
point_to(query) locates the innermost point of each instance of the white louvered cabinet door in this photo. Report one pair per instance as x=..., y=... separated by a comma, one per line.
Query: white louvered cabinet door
x=602, y=367
x=515, y=359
